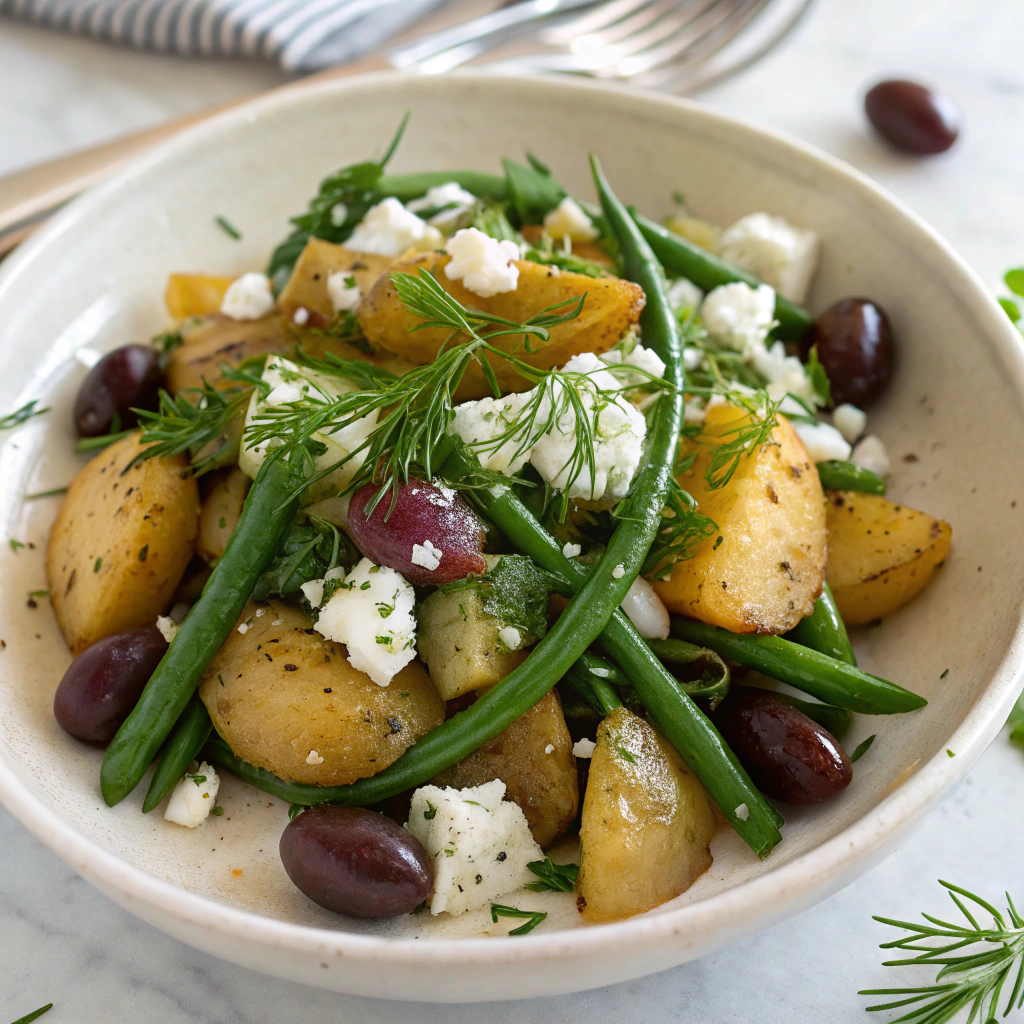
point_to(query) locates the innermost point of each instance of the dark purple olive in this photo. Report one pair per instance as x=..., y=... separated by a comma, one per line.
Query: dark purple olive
x=104, y=683
x=856, y=349
x=356, y=862
x=789, y=756
x=124, y=379
x=430, y=535
x=913, y=117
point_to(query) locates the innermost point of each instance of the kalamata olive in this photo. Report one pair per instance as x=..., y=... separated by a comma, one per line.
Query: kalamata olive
x=431, y=536
x=856, y=349
x=789, y=756
x=104, y=683
x=913, y=117
x=124, y=379
x=356, y=862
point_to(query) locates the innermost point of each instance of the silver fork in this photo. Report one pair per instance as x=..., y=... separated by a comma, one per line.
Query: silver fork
x=668, y=44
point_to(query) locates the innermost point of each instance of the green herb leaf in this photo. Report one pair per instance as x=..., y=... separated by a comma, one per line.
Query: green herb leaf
x=1016, y=722
x=95, y=444
x=819, y=378
x=1015, y=280
x=553, y=877
x=862, y=748
x=227, y=227
x=534, y=192
x=16, y=545
x=534, y=917
x=626, y=755
x=217, y=811
x=28, y=1018
x=1010, y=308
x=430, y=812
x=19, y=416
x=294, y=810
x=46, y=494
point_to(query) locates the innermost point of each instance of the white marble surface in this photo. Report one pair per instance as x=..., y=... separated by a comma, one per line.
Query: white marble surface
x=61, y=941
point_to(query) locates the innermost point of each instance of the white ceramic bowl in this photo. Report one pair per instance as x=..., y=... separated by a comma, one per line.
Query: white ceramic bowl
x=95, y=277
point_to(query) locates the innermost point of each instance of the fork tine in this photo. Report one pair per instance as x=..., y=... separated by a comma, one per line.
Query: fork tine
x=606, y=25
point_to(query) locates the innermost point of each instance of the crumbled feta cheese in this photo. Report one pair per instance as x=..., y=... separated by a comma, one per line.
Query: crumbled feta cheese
x=822, y=441
x=167, y=626
x=451, y=201
x=249, y=297
x=291, y=383
x=567, y=220
x=785, y=375
x=870, y=453
x=194, y=797
x=571, y=550
x=618, y=431
x=692, y=357
x=483, y=264
x=426, y=555
x=373, y=615
x=277, y=622
x=739, y=316
x=260, y=612
x=301, y=316
x=694, y=412
x=343, y=291
x=774, y=250
x=849, y=421
x=549, y=749
x=583, y=748
x=88, y=356
x=601, y=673
x=510, y=637
x=388, y=229
x=313, y=592
x=339, y=214
x=243, y=628
x=645, y=609
x=684, y=294
x=619, y=571
x=642, y=358
x=314, y=758
x=478, y=843
x=742, y=812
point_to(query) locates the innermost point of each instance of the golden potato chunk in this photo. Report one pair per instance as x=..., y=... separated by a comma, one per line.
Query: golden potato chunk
x=120, y=543
x=647, y=823
x=307, y=287
x=542, y=781
x=611, y=307
x=194, y=294
x=880, y=554
x=287, y=700
x=762, y=570
x=223, y=498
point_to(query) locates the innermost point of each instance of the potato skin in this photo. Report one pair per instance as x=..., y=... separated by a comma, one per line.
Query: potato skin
x=762, y=570
x=647, y=823
x=881, y=554
x=280, y=690
x=120, y=544
x=194, y=294
x=545, y=785
x=224, y=495
x=611, y=307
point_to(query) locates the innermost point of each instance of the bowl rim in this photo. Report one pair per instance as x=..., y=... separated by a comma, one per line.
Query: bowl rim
x=793, y=885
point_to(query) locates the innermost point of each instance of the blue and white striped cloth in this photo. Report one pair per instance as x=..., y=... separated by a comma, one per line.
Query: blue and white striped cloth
x=300, y=34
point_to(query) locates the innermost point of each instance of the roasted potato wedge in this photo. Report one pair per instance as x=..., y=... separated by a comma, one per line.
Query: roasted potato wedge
x=542, y=781
x=120, y=543
x=611, y=307
x=223, y=497
x=307, y=287
x=762, y=570
x=194, y=294
x=283, y=697
x=647, y=823
x=880, y=554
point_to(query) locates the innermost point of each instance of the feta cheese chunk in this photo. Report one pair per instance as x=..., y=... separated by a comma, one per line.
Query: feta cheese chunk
x=373, y=614
x=483, y=264
x=388, y=229
x=870, y=453
x=313, y=592
x=849, y=421
x=426, y=555
x=343, y=291
x=571, y=550
x=451, y=201
x=314, y=758
x=646, y=610
x=684, y=294
x=822, y=441
x=167, y=626
x=478, y=843
x=777, y=252
x=290, y=382
x=248, y=297
x=194, y=797
x=487, y=420
x=785, y=375
x=619, y=571
x=567, y=220
x=300, y=316
x=583, y=748
x=510, y=637
x=742, y=812
x=738, y=316
x=645, y=359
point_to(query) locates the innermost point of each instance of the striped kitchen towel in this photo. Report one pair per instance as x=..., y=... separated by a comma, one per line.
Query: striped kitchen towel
x=300, y=34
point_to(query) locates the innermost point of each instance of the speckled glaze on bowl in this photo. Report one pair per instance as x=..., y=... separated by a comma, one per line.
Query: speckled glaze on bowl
x=95, y=277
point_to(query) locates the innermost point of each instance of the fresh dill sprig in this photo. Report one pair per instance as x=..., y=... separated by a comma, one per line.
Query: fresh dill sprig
x=534, y=917
x=745, y=438
x=967, y=979
x=19, y=416
x=682, y=529
x=552, y=877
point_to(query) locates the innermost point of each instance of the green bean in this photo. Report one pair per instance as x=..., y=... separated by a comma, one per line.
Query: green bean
x=824, y=630
x=217, y=751
x=848, y=476
x=182, y=747
x=591, y=678
x=715, y=676
x=266, y=516
x=823, y=677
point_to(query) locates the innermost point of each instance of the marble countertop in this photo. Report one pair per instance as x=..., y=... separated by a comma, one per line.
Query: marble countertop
x=61, y=941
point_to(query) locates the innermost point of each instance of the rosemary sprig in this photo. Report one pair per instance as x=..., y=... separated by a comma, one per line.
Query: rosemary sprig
x=19, y=416
x=967, y=979
x=534, y=917
x=552, y=877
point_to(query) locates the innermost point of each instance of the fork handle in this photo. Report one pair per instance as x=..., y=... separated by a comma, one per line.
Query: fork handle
x=29, y=197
